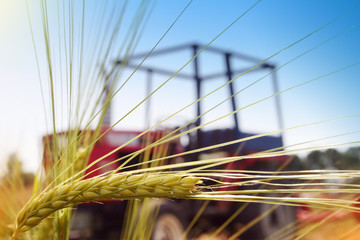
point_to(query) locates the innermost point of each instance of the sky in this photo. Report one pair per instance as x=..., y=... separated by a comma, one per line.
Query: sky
x=267, y=29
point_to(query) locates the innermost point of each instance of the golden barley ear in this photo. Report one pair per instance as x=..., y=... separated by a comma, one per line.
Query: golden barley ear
x=116, y=187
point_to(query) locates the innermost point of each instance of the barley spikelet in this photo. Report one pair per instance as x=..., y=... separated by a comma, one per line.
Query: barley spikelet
x=45, y=230
x=115, y=187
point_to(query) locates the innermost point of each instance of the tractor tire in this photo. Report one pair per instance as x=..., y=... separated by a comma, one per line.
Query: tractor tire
x=170, y=223
x=278, y=219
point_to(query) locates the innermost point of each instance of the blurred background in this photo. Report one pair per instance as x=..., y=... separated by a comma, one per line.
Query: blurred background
x=265, y=30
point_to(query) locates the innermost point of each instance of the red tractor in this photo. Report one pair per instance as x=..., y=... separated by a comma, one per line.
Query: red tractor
x=105, y=220
x=96, y=221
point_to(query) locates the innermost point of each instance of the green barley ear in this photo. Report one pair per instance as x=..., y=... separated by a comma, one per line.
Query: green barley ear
x=84, y=102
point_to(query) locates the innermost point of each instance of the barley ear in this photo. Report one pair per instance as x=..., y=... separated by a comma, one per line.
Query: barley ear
x=116, y=187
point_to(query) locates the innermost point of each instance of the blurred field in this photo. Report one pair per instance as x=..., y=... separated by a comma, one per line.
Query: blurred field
x=330, y=225
x=346, y=228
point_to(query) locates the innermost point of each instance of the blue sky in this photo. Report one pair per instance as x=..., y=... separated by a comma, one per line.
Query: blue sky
x=265, y=30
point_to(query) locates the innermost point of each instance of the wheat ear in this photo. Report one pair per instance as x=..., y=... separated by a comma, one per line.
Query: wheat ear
x=114, y=187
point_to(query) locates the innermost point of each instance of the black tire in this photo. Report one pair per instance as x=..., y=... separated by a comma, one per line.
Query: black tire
x=280, y=217
x=170, y=223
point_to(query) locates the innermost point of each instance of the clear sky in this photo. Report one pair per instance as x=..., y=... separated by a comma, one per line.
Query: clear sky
x=265, y=30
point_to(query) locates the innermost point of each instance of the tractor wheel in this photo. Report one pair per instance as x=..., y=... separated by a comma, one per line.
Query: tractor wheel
x=281, y=217
x=170, y=223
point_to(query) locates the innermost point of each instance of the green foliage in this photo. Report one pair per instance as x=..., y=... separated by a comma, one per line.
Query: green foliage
x=329, y=159
x=15, y=171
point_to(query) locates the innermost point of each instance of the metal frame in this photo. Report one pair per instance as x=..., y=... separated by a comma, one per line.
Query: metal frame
x=228, y=72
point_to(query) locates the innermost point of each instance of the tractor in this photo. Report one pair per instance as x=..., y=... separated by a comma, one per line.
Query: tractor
x=102, y=221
